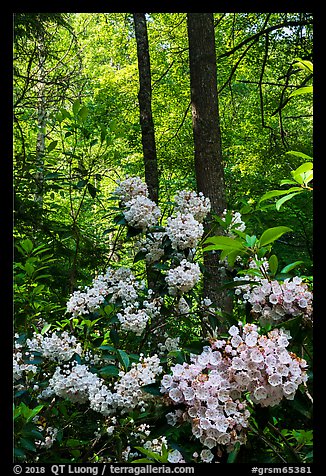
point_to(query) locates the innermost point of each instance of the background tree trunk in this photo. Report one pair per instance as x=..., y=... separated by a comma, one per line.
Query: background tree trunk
x=207, y=138
x=145, y=106
x=41, y=121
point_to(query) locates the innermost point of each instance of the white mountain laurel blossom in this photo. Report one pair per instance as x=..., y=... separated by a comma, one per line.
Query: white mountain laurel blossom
x=183, y=278
x=184, y=231
x=130, y=188
x=141, y=212
x=190, y=202
x=75, y=382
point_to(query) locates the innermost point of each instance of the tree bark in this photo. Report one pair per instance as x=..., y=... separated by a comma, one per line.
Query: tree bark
x=145, y=106
x=207, y=139
x=41, y=121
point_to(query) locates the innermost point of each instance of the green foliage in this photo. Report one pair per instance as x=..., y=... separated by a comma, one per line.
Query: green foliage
x=246, y=245
x=302, y=176
x=34, y=297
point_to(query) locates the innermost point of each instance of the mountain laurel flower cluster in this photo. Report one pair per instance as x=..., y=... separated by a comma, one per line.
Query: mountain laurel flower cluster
x=130, y=188
x=273, y=301
x=21, y=368
x=55, y=348
x=134, y=320
x=76, y=383
x=142, y=213
x=49, y=437
x=183, y=278
x=236, y=222
x=184, y=231
x=209, y=392
x=190, y=202
x=119, y=284
x=118, y=287
x=152, y=247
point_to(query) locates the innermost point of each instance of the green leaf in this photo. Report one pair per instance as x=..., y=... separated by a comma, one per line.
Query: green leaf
x=282, y=200
x=304, y=167
x=303, y=90
x=27, y=245
x=120, y=220
x=233, y=455
x=66, y=114
x=132, y=231
x=251, y=240
x=304, y=173
x=307, y=176
x=27, y=444
x=140, y=256
x=114, y=336
x=123, y=358
x=76, y=107
x=83, y=112
x=275, y=193
x=194, y=347
x=52, y=145
x=223, y=243
x=162, y=266
x=92, y=190
x=178, y=355
x=150, y=454
x=81, y=183
x=33, y=433
x=34, y=412
x=273, y=264
x=72, y=442
x=304, y=65
x=299, y=154
x=45, y=328
x=272, y=234
x=232, y=256
x=272, y=194
x=108, y=230
x=291, y=266
x=103, y=132
x=19, y=453
x=52, y=175
x=152, y=389
x=109, y=370
x=107, y=347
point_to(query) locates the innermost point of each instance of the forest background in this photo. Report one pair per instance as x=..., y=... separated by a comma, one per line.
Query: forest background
x=77, y=132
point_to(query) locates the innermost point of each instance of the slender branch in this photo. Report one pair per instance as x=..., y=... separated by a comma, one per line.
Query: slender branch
x=265, y=31
x=289, y=447
x=162, y=75
x=261, y=98
x=218, y=21
x=234, y=67
x=284, y=103
x=298, y=117
x=265, y=440
x=178, y=128
x=268, y=83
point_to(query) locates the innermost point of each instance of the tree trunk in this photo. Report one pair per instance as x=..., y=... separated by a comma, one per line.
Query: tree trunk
x=207, y=138
x=41, y=122
x=145, y=106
